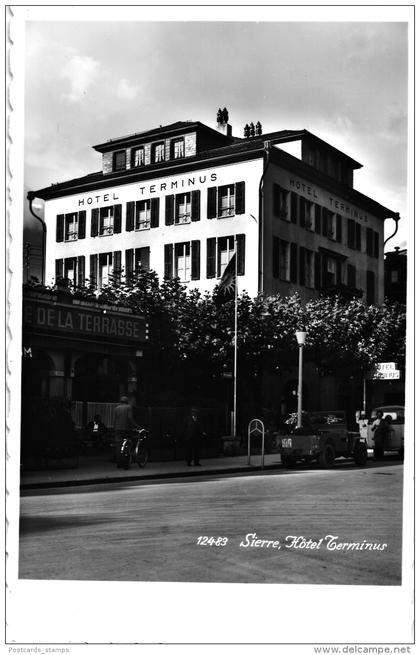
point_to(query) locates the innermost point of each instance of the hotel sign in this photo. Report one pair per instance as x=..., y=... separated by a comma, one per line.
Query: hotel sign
x=79, y=320
x=384, y=371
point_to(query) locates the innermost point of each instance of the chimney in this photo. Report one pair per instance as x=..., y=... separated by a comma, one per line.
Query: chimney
x=222, y=122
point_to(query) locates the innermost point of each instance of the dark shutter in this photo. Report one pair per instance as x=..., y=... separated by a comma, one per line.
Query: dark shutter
x=302, y=266
x=154, y=212
x=351, y=275
x=317, y=219
x=117, y=218
x=129, y=216
x=240, y=249
x=376, y=244
x=276, y=257
x=369, y=244
x=358, y=236
x=93, y=270
x=276, y=200
x=293, y=207
x=195, y=260
x=350, y=233
x=195, y=205
x=211, y=202
x=324, y=222
x=324, y=271
x=317, y=271
x=169, y=267
x=240, y=198
x=60, y=228
x=59, y=269
x=338, y=228
x=94, y=222
x=81, y=271
x=169, y=210
x=129, y=262
x=302, y=211
x=293, y=262
x=81, y=225
x=211, y=257
x=338, y=272
x=370, y=287
x=116, y=264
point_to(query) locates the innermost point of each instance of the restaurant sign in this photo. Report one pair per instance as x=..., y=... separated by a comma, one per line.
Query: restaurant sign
x=80, y=320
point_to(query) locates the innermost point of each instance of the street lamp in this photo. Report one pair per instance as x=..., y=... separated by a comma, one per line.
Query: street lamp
x=300, y=337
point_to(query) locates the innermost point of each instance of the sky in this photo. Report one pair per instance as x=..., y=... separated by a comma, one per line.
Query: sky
x=87, y=82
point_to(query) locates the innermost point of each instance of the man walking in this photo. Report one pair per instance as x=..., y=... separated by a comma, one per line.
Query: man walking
x=193, y=437
x=123, y=422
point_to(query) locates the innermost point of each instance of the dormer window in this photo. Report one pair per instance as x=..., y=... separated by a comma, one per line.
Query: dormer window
x=137, y=157
x=120, y=160
x=158, y=150
x=177, y=149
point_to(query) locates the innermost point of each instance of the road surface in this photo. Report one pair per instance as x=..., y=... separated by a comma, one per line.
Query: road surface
x=312, y=526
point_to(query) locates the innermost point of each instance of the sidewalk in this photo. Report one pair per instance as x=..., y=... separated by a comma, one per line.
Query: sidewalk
x=97, y=469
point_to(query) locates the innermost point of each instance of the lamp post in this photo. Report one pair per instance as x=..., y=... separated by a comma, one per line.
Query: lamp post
x=300, y=337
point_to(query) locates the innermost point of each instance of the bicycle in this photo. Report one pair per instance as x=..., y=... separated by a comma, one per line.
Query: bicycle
x=133, y=449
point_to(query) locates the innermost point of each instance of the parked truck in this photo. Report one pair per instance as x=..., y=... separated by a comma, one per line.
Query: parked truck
x=323, y=438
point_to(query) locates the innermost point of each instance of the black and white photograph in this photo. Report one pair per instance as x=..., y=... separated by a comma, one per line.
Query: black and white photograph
x=210, y=326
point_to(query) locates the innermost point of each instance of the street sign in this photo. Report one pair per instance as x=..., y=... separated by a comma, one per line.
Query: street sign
x=386, y=366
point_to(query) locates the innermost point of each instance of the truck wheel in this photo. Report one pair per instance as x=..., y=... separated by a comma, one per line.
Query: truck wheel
x=360, y=454
x=326, y=457
x=288, y=461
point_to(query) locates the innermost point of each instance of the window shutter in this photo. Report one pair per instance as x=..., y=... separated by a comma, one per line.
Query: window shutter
x=339, y=274
x=369, y=241
x=93, y=270
x=211, y=257
x=324, y=271
x=376, y=244
x=81, y=271
x=293, y=262
x=276, y=257
x=276, y=200
x=117, y=218
x=116, y=264
x=240, y=249
x=154, y=212
x=240, y=198
x=59, y=236
x=169, y=267
x=169, y=210
x=350, y=233
x=370, y=287
x=94, y=223
x=324, y=222
x=211, y=202
x=358, y=236
x=317, y=271
x=81, y=225
x=59, y=269
x=302, y=211
x=293, y=207
x=351, y=275
x=195, y=206
x=302, y=266
x=129, y=262
x=195, y=260
x=129, y=216
x=318, y=219
x=338, y=228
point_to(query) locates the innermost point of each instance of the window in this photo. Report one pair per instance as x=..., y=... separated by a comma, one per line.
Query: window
x=71, y=268
x=137, y=157
x=308, y=214
x=106, y=221
x=158, y=150
x=394, y=277
x=354, y=231
x=331, y=234
x=309, y=259
x=182, y=260
x=143, y=215
x=225, y=251
x=105, y=268
x=331, y=279
x=183, y=208
x=177, y=149
x=225, y=201
x=120, y=160
x=281, y=202
x=372, y=242
x=70, y=227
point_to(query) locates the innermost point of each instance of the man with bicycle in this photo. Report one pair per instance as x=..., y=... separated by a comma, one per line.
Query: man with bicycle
x=123, y=423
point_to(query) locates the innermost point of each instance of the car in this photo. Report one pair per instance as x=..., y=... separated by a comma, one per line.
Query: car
x=323, y=438
x=395, y=440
